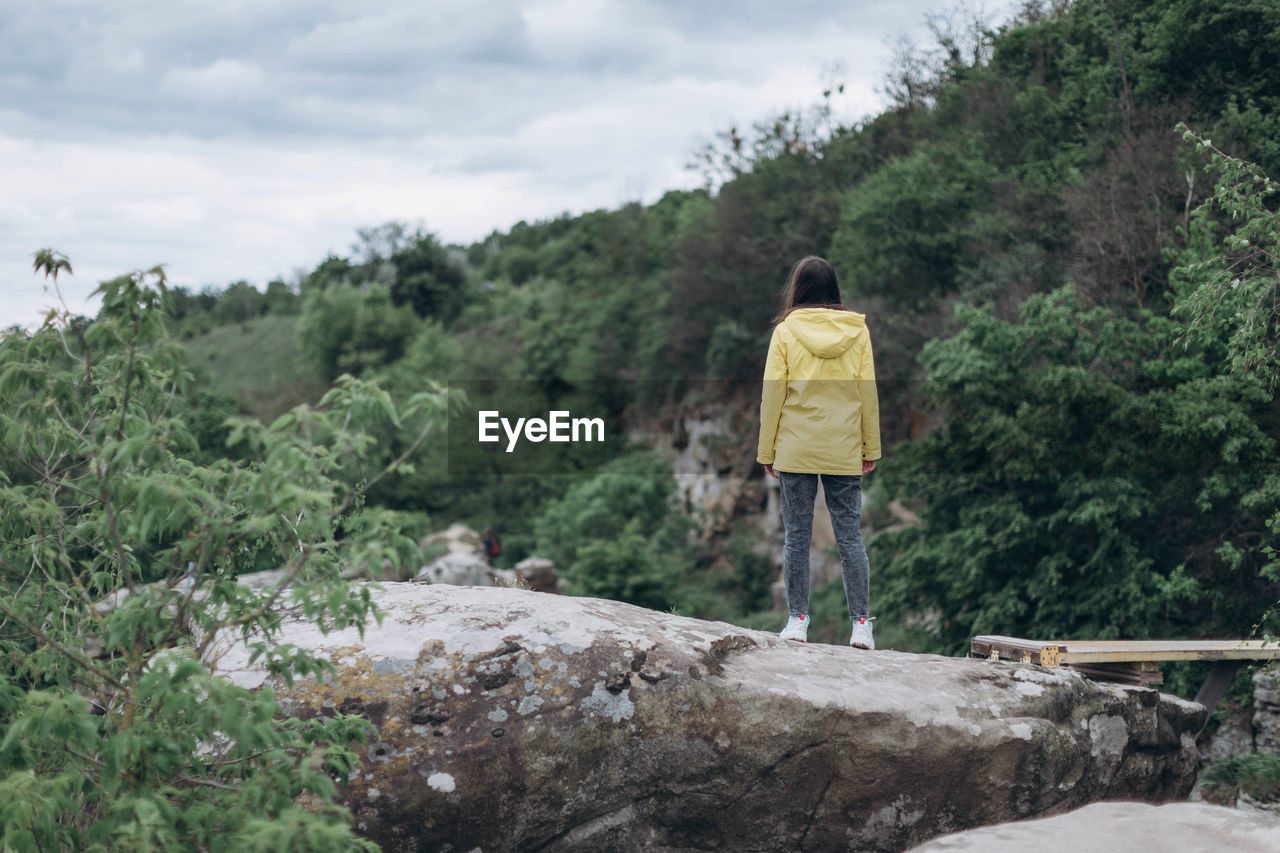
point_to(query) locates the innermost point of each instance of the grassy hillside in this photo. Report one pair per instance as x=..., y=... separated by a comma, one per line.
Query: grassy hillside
x=258, y=361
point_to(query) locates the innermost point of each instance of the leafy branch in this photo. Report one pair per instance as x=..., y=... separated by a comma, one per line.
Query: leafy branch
x=1232, y=293
x=118, y=571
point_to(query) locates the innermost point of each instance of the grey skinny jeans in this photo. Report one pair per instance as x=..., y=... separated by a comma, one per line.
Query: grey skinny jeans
x=844, y=502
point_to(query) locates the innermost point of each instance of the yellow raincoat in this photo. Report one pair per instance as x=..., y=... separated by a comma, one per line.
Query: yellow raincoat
x=819, y=412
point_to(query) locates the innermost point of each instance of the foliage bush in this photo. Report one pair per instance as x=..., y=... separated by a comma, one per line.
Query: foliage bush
x=736, y=583
x=1230, y=286
x=903, y=231
x=1257, y=775
x=349, y=329
x=617, y=534
x=428, y=280
x=327, y=323
x=1230, y=297
x=1082, y=484
x=730, y=341
x=117, y=574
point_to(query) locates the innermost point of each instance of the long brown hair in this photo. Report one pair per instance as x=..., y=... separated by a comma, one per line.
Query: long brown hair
x=812, y=284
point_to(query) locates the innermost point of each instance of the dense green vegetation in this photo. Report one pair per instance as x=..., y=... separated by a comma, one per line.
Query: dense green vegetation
x=1256, y=775
x=123, y=539
x=1082, y=298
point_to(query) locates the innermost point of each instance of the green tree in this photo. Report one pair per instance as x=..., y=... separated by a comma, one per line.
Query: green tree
x=732, y=346
x=117, y=576
x=380, y=334
x=328, y=321
x=241, y=301
x=1229, y=286
x=732, y=260
x=617, y=534
x=332, y=270
x=1082, y=484
x=280, y=298
x=428, y=280
x=344, y=328
x=903, y=233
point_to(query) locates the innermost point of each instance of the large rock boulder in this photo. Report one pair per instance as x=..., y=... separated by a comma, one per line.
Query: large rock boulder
x=539, y=574
x=463, y=562
x=463, y=570
x=509, y=720
x=1173, y=828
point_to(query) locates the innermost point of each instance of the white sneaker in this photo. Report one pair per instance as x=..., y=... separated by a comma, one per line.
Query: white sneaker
x=862, y=638
x=797, y=628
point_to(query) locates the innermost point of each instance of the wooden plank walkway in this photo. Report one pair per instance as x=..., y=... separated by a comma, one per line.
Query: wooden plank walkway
x=1064, y=652
x=1131, y=661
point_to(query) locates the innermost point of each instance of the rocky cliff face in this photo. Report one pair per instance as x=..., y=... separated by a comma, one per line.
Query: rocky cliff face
x=712, y=450
x=1266, y=711
x=510, y=720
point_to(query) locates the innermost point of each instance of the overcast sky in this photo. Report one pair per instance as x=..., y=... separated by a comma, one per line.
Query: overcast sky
x=249, y=138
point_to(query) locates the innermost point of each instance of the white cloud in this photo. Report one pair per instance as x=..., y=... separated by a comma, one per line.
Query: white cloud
x=223, y=80
x=408, y=37
x=248, y=139
x=598, y=34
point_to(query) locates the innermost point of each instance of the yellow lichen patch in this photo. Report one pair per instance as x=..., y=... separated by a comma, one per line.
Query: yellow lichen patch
x=432, y=650
x=354, y=679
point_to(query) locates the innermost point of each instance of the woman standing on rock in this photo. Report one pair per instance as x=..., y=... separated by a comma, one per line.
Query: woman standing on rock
x=820, y=418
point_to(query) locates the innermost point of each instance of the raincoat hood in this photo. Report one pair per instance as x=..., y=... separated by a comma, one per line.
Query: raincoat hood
x=826, y=332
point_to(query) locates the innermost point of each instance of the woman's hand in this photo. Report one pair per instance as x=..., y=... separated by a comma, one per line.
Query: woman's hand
x=868, y=465
x=769, y=470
